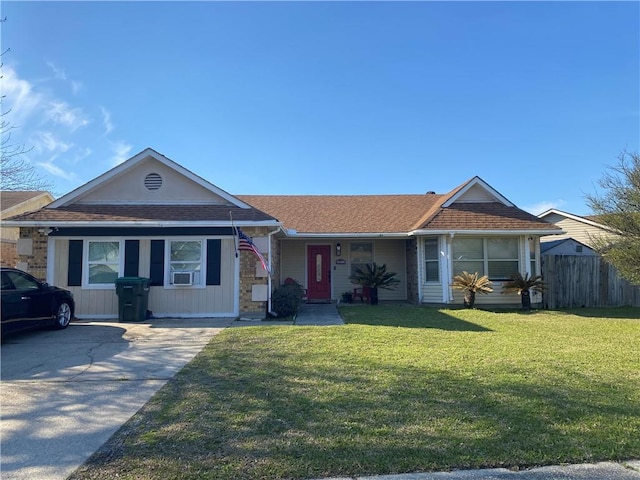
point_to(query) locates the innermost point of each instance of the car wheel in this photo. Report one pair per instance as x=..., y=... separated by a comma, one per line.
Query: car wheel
x=63, y=316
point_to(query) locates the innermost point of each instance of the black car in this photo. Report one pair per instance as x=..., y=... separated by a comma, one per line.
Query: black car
x=27, y=302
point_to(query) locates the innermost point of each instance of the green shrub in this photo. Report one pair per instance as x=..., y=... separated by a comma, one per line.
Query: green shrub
x=286, y=299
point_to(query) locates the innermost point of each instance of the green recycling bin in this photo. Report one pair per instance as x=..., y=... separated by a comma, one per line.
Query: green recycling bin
x=133, y=298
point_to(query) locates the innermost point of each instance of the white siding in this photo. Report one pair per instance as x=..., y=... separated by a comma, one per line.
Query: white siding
x=212, y=300
x=129, y=188
x=475, y=194
x=292, y=261
x=582, y=232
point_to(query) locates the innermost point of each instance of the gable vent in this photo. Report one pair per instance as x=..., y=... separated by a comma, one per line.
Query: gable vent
x=153, y=182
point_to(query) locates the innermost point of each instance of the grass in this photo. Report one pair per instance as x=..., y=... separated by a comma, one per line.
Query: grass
x=397, y=389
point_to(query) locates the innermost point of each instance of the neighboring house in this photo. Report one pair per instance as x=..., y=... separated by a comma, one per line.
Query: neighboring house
x=14, y=203
x=565, y=246
x=152, y=217
x=580, y=229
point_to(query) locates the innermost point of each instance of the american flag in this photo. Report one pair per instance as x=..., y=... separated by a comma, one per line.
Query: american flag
x=245, y=243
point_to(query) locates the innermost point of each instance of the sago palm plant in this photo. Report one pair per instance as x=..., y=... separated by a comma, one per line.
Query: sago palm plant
x=523, y=286
x=471, y=283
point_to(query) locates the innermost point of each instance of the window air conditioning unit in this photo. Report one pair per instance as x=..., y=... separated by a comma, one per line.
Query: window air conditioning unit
x=182, y=278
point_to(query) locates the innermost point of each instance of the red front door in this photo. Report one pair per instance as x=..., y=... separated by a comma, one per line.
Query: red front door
x=319, y=272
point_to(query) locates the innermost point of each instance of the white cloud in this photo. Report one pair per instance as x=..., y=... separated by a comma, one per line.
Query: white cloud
x=62, y=133
x=56, y=171
x=80, y=155
x=57, y=72
x=106, y=120
x=543, y=206
x=122, y=151
x=49, y=141
x=62, y=113
x=19, y=97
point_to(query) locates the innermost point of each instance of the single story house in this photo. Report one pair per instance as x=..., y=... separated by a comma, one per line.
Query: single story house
x=151, y=217
x=566, y=246
x=13, y=203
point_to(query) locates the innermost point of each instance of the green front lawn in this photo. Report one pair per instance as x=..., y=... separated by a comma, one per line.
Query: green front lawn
x=398, y=389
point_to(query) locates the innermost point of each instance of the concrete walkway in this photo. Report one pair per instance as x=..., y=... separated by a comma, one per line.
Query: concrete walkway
x=319, y=314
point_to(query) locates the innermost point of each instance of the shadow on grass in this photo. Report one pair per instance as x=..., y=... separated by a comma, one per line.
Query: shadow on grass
x=270, y=415
x=630, y=313
x=407, y=316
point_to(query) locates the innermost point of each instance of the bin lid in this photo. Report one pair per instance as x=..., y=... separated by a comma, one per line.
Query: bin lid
x=131, y=280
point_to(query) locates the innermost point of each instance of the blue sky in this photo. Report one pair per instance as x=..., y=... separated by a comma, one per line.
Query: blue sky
x=537, y=98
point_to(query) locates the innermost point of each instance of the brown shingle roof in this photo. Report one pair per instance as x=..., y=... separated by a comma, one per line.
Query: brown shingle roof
x=390, y=213
x=144, y=213
x=486, y=216
x=10, y=199
x=345, y=213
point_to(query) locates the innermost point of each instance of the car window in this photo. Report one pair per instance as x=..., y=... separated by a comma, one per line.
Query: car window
x=6, y=283
x=23, y=282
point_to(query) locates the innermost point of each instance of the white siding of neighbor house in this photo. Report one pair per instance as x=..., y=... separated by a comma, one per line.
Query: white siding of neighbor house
x=580, y=231
x=209, y=301
x=390, y=252
x=129, y=188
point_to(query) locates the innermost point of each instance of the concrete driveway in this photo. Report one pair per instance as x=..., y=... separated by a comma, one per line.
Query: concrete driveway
x=64, y=393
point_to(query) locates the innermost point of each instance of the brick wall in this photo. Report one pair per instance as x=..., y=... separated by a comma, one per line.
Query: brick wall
x=37, y=261
x=412, y=270
x=248, y=276
x=8, y=253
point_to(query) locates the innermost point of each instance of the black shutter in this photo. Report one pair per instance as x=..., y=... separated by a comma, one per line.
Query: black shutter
x=74, y=275
x=214, y=254
x=156, y=272
x=131, y=257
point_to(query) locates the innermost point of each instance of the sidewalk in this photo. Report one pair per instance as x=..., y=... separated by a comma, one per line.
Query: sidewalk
x=629, y=470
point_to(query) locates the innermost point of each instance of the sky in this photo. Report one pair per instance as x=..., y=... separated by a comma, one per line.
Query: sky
x=537, y=98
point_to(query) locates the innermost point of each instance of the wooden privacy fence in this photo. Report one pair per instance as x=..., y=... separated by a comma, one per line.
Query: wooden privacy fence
x=585, y=281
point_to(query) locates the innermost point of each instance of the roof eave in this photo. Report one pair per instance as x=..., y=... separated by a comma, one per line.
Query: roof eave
x=294, y=234
x=141, y=223
x=487, y=232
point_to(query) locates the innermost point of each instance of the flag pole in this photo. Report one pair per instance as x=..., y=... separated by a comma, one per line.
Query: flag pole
x=235, y=234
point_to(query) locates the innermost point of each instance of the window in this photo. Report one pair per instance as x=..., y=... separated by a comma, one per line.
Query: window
x=468, y=255
x=360, y=254
x=431, y=263
x=502, y=257
x=186, y=257
x=496, y=257
x=103, y=262
x=532, y=256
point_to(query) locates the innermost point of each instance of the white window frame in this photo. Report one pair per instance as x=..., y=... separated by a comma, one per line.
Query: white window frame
x=199, y=279
x=435, y=260
x=86, y=263
x=485, y=255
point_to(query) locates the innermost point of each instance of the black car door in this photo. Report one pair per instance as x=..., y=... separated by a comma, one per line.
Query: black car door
x=25, y=302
